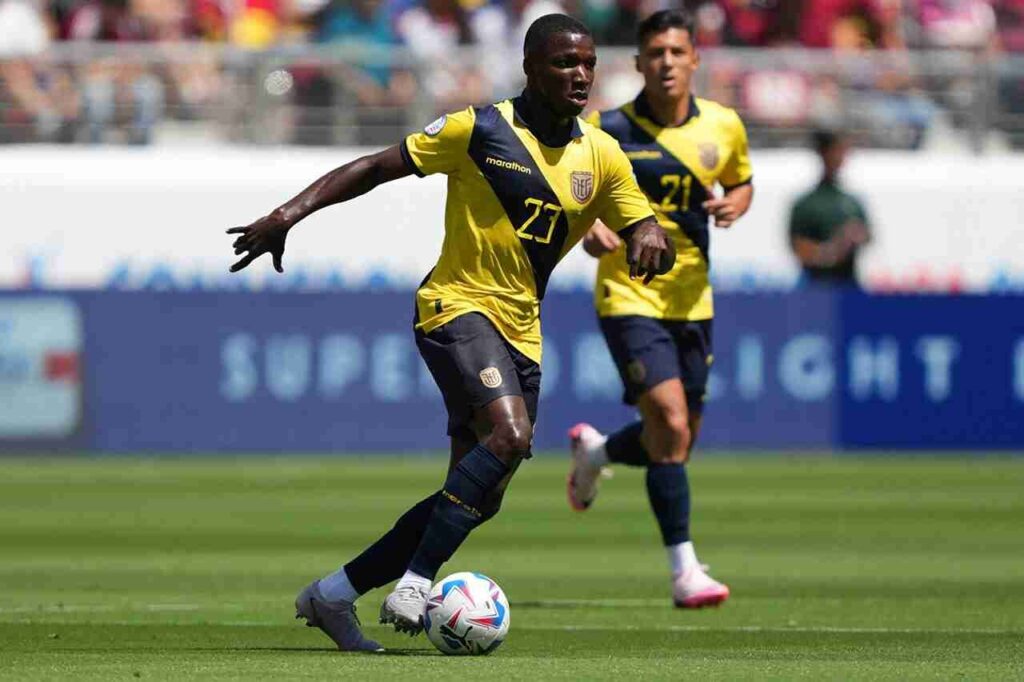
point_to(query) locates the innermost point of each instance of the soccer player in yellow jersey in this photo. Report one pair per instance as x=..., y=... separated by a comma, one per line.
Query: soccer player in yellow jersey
x=526, y=179
x=660, y=336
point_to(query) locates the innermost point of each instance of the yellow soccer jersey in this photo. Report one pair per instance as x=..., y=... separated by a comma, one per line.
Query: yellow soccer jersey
x=674, y=166
x=515, y=207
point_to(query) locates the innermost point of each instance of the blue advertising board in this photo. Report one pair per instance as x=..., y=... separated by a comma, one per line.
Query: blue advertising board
x=932, y=372
x=339, y=372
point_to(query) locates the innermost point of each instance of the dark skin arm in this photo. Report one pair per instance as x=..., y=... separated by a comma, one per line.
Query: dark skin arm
x=267, y=235
x=649, y=251
x=726, y=210
x=600, y=239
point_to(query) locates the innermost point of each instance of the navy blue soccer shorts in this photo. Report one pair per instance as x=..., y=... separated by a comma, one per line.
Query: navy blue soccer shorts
x=473, y=364
x=648, y=351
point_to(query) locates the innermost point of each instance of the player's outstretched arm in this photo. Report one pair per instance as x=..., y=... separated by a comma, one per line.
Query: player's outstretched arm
x=267, y=235
x=649, y=251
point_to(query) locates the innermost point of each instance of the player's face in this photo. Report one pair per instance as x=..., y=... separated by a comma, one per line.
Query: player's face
x=667, y=61
x=563, y=72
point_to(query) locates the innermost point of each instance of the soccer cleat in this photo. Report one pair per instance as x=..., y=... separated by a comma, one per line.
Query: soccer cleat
x=337, y=619
x=695, y=589
x=404, y=608
x=581, y=486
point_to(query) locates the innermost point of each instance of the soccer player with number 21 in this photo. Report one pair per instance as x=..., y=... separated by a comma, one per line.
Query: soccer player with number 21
x=660, y=336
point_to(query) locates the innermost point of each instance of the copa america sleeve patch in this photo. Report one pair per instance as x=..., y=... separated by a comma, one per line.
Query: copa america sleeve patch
x=437, y=126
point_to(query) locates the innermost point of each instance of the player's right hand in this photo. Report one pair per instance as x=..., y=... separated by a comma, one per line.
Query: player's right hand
x=266, y=235
x=650, y=252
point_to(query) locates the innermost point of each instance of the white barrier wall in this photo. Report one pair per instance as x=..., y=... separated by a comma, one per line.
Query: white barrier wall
x=155, y=218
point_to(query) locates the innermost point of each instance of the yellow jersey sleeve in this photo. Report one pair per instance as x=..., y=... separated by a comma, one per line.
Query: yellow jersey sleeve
x=737, y=170
x=621, y=201
x=441, y=146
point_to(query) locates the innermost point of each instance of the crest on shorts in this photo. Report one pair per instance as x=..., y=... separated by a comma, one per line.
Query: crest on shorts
x=490, y=377
x=437, y=126
x=636, y=371
x=582, y=185
x=708, y=152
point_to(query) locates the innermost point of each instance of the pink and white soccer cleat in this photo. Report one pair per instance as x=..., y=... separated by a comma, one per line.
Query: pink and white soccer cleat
x=584, y=473
x=695, y=589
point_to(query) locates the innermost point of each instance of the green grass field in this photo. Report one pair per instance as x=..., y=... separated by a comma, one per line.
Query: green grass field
x=840, y=568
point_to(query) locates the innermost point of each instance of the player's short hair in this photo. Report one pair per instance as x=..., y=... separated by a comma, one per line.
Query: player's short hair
x=663, y=20
x=548, y=25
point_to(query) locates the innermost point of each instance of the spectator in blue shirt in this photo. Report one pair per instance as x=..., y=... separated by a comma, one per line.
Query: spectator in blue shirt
x=373, y=78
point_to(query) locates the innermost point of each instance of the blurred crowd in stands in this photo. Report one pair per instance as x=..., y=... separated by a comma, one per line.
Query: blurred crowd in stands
x=874, y=82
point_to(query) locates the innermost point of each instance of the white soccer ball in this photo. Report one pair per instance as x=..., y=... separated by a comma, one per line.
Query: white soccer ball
x=467, y=615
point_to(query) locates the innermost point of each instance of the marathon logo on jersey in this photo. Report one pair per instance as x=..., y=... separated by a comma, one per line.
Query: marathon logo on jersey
x=490, y=377
x=644, y=155
x=508, y=165
x=437, y=126
x=708, y=152
x=582, y=183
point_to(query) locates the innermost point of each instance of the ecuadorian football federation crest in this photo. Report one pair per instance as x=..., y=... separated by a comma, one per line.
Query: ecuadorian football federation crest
x=708, y=154
x=437, y=126
x=582, y=185
x=490, y=377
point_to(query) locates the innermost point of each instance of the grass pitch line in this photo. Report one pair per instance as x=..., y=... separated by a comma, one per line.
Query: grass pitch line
x=109, y=608
x=764, y=629
x=767, y=629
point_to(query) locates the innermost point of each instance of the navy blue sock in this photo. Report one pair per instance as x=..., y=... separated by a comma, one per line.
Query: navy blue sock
x=669, y=492
x=458, y=509
x=624, y=446
x=387, y=559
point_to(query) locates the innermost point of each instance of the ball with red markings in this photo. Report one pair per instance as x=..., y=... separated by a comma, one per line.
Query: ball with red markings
x=467, y=614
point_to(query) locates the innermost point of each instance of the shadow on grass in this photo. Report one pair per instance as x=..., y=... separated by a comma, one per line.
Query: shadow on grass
x=250, y=649
x=316, y=650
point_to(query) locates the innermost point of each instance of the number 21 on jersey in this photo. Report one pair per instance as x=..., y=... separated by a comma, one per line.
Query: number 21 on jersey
x=673, y=183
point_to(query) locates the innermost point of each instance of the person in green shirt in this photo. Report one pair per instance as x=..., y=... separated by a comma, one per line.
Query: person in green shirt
x=828, y=226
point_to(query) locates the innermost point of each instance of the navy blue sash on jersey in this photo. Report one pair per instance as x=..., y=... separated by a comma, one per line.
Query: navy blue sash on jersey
x=528, y=200
x=692, y=219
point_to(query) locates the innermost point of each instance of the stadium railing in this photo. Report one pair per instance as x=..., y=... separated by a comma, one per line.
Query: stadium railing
x=325, y=95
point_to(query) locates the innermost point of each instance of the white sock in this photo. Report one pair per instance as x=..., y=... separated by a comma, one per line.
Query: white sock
x=596, y=452
x=682, y=558
x=414, y=580
x=337, y=587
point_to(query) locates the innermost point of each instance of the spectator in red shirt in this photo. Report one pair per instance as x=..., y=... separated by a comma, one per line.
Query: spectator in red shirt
x=759, y=23
x=1009, y=25
x=819, y=18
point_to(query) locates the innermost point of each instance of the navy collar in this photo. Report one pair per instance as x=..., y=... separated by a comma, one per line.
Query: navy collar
x=643, y=108
x=538, y=120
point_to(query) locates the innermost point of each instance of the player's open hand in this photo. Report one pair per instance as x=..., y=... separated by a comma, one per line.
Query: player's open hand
x=650, y=251
x=725, y=210
x=266, y=235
